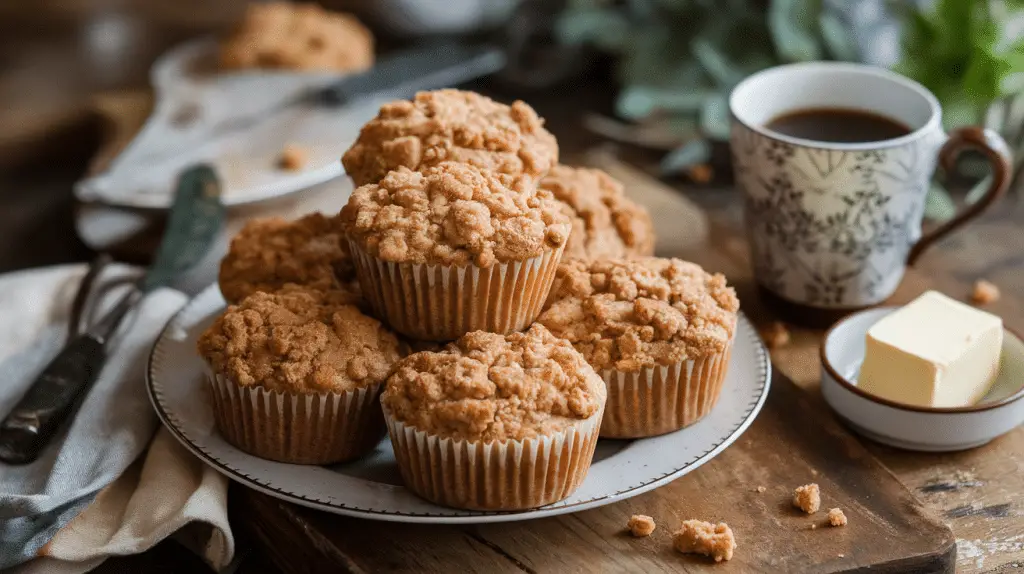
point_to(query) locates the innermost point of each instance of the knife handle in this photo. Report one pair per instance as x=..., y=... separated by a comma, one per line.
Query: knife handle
x=38, y=415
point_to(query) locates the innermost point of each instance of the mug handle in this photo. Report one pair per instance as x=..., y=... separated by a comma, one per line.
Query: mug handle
x=997, y=152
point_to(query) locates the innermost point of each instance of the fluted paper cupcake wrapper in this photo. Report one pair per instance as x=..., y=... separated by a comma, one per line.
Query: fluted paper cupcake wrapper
x=662, y=399
x=443, y=302
x=298, y=428
x=509, y=475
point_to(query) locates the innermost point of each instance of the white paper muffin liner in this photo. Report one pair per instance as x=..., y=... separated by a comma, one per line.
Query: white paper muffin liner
x=443, y=302
x=298, y=428
x=508, y=475
x=662, y=399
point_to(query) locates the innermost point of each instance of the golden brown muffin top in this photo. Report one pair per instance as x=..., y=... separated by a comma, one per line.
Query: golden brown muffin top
x=454, y=213
x=489, y=387
x=452, y=125
x=629, y=314
x=270, y=252
x=299, y=340
x=605, y=223
x=290, y=36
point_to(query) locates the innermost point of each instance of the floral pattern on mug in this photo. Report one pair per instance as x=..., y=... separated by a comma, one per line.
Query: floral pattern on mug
x=831, y=227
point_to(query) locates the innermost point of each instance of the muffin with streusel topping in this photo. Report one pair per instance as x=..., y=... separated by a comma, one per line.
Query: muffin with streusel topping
x=271, y=252
x=452, y=125
x=495, y=422
x=605, y=223
x=297, y=36
x=296, y=375
x=454, y=249
x=659, y=331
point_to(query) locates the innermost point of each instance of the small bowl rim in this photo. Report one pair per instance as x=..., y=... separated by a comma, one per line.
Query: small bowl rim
x=843, y=382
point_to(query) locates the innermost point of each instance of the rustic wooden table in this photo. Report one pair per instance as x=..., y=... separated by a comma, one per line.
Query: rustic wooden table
x=57, y=54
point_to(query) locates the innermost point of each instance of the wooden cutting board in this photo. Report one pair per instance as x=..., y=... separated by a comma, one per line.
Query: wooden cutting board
x=788, y=445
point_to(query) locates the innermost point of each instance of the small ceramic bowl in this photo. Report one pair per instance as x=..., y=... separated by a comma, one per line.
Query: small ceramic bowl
x=911, y=427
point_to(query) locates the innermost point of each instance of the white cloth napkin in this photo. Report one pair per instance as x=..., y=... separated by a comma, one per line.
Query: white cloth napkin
x=88, y=497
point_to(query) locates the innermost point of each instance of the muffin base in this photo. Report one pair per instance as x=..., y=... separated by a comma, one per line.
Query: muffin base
x=662, y=399
x=442, y=303
x=298, y=428
x=508, y=475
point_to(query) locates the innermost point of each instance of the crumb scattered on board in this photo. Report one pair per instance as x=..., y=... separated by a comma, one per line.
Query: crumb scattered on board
x=293, y=158
x=775, y=335
x=807, y=498
x=699, y=537
x=700, y=173
x=836, y=517
x=641, y=525
x=761, y=489
x=984, y=292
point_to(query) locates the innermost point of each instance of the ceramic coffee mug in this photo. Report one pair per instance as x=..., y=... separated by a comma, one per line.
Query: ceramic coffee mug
x=832, y=226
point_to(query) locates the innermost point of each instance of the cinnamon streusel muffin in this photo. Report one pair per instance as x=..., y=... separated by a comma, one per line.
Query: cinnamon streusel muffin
x=452, y=125
x=659, y=331
x=495, y=422
x=605, y=223
x=297, y=37
x=296, y=375
x=454, y=249
x=271, y=252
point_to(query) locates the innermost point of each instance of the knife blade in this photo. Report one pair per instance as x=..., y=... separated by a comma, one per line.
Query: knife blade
x=195, y=219
x=399, y=75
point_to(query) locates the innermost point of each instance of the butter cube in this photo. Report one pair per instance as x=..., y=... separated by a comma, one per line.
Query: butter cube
x=934, y=352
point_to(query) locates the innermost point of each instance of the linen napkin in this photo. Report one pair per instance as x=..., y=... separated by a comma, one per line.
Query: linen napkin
x=86, y=497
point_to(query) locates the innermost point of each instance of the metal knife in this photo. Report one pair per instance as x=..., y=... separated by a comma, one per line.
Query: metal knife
x=396, y=76
x=196, y=217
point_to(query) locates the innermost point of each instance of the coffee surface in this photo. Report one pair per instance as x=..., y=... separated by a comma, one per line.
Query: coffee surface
x=838, y=125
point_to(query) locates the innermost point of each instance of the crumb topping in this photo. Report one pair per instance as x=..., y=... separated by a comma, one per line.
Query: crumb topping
x=452, y=125
x=491, y=387
x=290, y=36
x=271, y=252
x=454, y=214
x=699, y=537
x=630, y=314
x=299, y=340
x=605, y=223
x=640, y=525
x=836, y=517
x=807, y=498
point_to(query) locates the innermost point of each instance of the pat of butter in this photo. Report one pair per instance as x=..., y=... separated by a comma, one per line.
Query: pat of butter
x=934, y=352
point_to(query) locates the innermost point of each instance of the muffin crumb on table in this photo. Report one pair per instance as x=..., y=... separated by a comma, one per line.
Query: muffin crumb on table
x=807, y=498
x=452, y=125
x=699, y=537
x=836, y=517
x=641, y=525
x=761, y=489
x=984, y=292
x=775, y=335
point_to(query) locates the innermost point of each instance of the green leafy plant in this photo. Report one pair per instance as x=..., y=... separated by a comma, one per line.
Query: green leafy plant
x=970, y=53
x=678, y=59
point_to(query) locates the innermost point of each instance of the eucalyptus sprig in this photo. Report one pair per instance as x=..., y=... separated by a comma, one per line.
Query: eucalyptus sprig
x=681, y=58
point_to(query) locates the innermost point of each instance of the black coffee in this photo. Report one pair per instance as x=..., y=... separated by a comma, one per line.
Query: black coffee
x=838, y=125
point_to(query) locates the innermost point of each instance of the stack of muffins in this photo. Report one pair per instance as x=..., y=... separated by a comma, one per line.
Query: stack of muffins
x=464, y=229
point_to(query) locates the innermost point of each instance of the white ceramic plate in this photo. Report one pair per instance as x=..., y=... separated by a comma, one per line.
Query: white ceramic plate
x=187, y=84
x=372, y=487
x=910, y=427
